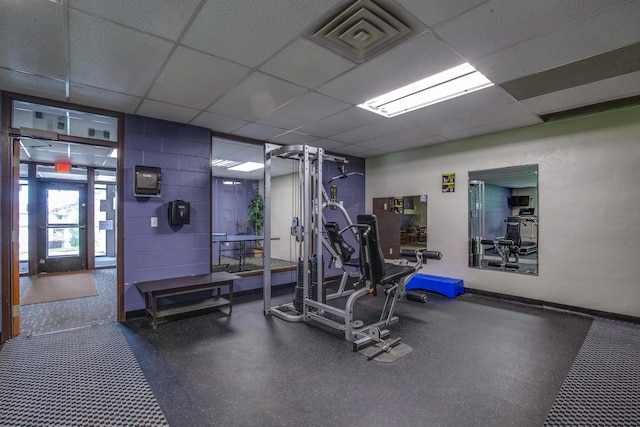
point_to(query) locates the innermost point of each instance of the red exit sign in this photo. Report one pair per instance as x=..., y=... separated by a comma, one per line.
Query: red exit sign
x=63, y=167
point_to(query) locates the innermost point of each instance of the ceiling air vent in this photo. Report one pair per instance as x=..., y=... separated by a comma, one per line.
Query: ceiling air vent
x=365, y=29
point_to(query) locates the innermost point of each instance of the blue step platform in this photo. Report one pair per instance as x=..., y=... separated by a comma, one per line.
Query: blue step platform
x=443, y=285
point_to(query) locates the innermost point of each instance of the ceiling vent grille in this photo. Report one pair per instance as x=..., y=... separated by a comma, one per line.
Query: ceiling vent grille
x=365, y=29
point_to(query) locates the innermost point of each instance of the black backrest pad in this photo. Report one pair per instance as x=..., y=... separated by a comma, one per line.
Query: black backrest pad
x=343, y=249
x=513, y=230
x=372, y=245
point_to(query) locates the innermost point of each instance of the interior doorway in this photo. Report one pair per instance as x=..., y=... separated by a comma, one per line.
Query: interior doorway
x=61, y=270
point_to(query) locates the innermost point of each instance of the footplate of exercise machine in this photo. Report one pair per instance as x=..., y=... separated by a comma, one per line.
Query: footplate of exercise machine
x=392, y=355
x=373, y=347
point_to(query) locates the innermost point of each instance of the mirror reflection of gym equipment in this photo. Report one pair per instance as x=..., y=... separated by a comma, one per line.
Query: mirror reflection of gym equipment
x=503, y=219
x=402, y=222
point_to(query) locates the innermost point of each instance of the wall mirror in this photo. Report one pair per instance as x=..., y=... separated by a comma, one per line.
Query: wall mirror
x=402, y=223
x=504, y=219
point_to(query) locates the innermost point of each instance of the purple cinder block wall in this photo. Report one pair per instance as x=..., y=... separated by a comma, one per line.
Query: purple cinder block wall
x=183, y=152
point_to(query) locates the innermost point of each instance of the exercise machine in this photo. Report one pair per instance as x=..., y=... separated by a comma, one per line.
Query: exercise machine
x=316, y=237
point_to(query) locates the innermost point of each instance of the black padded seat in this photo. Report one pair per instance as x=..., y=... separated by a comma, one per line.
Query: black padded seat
x=394, y=272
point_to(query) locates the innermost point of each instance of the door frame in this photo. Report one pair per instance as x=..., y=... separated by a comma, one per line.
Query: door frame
x=42, y=213
x=9, y=189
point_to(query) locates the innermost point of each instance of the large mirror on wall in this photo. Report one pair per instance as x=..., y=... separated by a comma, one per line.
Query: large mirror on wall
x=504, y=219
x=402, y=223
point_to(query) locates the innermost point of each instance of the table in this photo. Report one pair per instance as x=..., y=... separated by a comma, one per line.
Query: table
x=154, y=289
x=242, y=239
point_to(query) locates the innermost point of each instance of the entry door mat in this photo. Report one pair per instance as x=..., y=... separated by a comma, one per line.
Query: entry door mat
x=60, y=286
x=81, y=377
x=603, y=384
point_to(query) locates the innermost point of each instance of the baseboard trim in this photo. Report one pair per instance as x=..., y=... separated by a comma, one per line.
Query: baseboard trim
x=555, y=306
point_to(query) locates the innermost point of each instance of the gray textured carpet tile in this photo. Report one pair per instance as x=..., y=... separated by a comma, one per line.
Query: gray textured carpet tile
x=83, y=377
x=603, y=384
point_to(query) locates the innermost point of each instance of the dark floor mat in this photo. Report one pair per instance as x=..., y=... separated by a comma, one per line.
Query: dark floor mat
x=603, y=385
x=83, y=377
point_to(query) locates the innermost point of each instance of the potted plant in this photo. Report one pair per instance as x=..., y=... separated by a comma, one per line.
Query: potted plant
x=256, y=217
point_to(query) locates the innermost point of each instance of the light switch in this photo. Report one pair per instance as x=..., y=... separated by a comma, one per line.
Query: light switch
x=154, y=221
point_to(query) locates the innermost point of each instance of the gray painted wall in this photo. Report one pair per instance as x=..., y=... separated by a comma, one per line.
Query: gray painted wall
x=589, y=199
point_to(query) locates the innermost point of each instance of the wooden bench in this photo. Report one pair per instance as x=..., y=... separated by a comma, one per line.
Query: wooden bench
x=154, y=289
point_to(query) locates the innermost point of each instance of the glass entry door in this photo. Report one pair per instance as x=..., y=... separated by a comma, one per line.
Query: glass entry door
x=62, y=226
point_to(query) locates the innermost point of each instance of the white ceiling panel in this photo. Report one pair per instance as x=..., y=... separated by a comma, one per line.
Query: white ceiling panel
x=250, y=31
x=308, y=108
x=430, y=140
x=351, y=118
x=28, y=84
x=438, y=113
x=374, y=130
x=99, y=50
x=614, y=29
x=306, y=64
x=328, y=144
x=198, y=85
x=413, y=60
x=218, y=123
x=601, y=91
x=433, y=12
x=256, y=96
x=359, y=151
x=108, y=100
x=161, y=110
x=500, y=23
x=493, y=127
x=33, y=38
x=163, y=18
x=258, y=131
x=292, y=138
x=394, y=139
x=246, y=68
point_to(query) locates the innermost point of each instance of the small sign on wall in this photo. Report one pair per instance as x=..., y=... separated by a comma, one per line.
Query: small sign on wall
x=448, y=182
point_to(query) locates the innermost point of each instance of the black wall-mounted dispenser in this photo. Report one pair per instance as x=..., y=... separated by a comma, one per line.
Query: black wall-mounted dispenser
x=179, y=212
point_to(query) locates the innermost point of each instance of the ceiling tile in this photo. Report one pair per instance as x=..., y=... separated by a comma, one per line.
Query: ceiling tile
x=161, y=110
x=306, y=64
x=358, y=151
x=197, y=85
x=292, y=138
x=327, y=144
x=163, y=18
x=256, y=96
x=250, y=31
x=493, y=127
x=28, y=84
x=307, y=109
x=410, y=61
x=431, y=140
x=617, y=28
x=33, y=38
x=437, y=114
x=435, y=12
x=218, y=123
x=374, y=130
x=601, y=91
x=99, y=50
x=84, y=95
x=351, y=118
x=259, y=132
x=395, y=139
x=497, y=24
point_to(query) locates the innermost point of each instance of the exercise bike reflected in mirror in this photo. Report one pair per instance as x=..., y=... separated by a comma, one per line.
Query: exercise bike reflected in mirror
x=503, y=219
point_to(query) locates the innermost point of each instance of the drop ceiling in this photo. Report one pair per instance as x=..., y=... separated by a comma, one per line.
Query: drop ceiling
x=252, y=69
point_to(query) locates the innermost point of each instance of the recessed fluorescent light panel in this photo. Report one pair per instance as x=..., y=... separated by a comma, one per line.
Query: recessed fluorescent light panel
x=454, y=82
x=221, y=163
x=247, y=167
